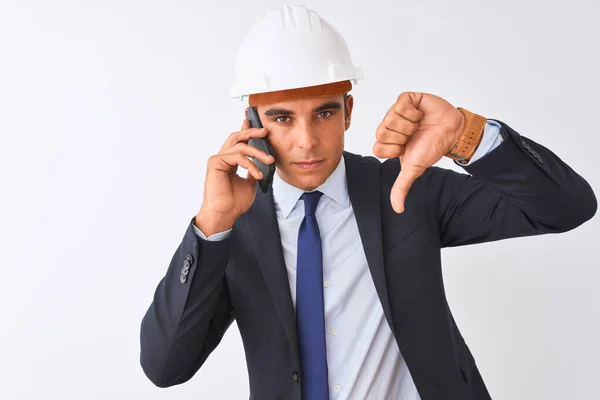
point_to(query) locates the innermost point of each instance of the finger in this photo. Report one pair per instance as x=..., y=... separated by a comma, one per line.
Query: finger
x=407, y=105
x=387, y=136
x=245, y=125
x=250, y=151
x=230, y=161
x=399, y=123
x=251, y=179
x=408, y=174
x=244, y=136
x=388, y=150
x=247, y=134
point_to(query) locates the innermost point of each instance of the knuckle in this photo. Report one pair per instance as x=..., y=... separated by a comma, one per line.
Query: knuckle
x=247, y=149
x=400, y=126
x=389, y=121
x=214, y=161
x=409, y=128
x=401, y=107
x=387, y=151
x=415, y=115
x=237, y=147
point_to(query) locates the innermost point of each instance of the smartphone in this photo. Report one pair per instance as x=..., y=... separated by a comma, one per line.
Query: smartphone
x=263, y=144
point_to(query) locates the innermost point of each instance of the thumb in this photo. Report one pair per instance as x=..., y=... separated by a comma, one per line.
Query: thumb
x=408, y=174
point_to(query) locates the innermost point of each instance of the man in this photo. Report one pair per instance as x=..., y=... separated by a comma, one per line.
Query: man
x=334, y=274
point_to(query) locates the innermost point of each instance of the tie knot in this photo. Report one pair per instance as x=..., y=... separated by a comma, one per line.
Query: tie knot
x=311, y=199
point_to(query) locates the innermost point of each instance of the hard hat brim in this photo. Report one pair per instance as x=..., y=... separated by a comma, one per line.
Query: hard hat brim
x=329, y=89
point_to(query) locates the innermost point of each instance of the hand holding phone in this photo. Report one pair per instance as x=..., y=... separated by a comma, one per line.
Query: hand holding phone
x=226, y=195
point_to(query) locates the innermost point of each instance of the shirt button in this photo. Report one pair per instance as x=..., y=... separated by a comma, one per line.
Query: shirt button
x=337, y=388
x=326, y=283
x=333, y=332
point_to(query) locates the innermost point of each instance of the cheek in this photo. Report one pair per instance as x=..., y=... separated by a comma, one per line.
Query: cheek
x=280, y=146
x=334, y=131
x=332, y=139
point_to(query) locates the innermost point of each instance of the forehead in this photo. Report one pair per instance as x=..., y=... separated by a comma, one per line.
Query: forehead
x=302, y=104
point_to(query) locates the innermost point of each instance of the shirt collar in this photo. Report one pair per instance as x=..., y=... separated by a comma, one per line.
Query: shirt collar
x=335, y=187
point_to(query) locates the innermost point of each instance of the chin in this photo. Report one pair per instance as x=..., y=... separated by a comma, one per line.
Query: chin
x=311, y=183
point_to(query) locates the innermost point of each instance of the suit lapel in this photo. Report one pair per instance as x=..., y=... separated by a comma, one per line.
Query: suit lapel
x=264, y=232
x=364, y=189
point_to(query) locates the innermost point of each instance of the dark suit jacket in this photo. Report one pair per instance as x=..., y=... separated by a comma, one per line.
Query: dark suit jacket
x=519, y=189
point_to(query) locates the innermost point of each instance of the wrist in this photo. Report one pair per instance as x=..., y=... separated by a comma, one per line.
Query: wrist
x=456, y=135
x=209, y=223
x=467, y=137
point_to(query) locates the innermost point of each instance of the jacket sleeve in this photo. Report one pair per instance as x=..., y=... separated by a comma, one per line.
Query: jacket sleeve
x=190, y=312
x=520, y=188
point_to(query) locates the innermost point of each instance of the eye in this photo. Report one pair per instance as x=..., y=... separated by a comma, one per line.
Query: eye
x=285, y=119
x=325, y=114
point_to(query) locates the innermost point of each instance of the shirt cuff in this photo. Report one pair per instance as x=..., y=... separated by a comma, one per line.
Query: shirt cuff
x=212, y=238
x=490, y=140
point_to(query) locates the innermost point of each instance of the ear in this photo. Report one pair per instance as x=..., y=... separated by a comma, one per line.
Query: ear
x=349, y=106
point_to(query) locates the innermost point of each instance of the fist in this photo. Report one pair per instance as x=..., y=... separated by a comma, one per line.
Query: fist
x=420, y=129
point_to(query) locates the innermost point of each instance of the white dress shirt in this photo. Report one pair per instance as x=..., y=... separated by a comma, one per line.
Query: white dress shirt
x=363, y=358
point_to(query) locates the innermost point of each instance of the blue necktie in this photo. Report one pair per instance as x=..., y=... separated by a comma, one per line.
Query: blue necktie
x=310, y=314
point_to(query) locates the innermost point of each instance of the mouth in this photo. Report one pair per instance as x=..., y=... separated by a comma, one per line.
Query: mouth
x=310, y=164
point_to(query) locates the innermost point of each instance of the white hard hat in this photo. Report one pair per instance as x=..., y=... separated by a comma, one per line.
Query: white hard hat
x=291, y=47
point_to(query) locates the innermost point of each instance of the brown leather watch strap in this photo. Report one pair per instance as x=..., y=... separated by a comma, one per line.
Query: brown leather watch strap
x=469, y=139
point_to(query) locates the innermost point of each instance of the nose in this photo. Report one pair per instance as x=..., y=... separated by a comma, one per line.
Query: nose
x=306, y=136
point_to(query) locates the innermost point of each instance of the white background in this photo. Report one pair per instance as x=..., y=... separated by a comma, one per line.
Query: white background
x=108, y=113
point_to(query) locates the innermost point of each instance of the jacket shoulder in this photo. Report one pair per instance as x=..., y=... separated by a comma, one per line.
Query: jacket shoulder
x=389, y=168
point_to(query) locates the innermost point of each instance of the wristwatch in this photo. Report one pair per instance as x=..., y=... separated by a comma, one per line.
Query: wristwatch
x=469, y=139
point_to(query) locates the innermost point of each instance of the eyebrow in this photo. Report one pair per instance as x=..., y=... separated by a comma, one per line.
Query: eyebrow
x=332, y=105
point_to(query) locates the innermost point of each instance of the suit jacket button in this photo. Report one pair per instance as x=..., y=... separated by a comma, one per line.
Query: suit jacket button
x=185, y=270
x=296, y=377
x=189, y=258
